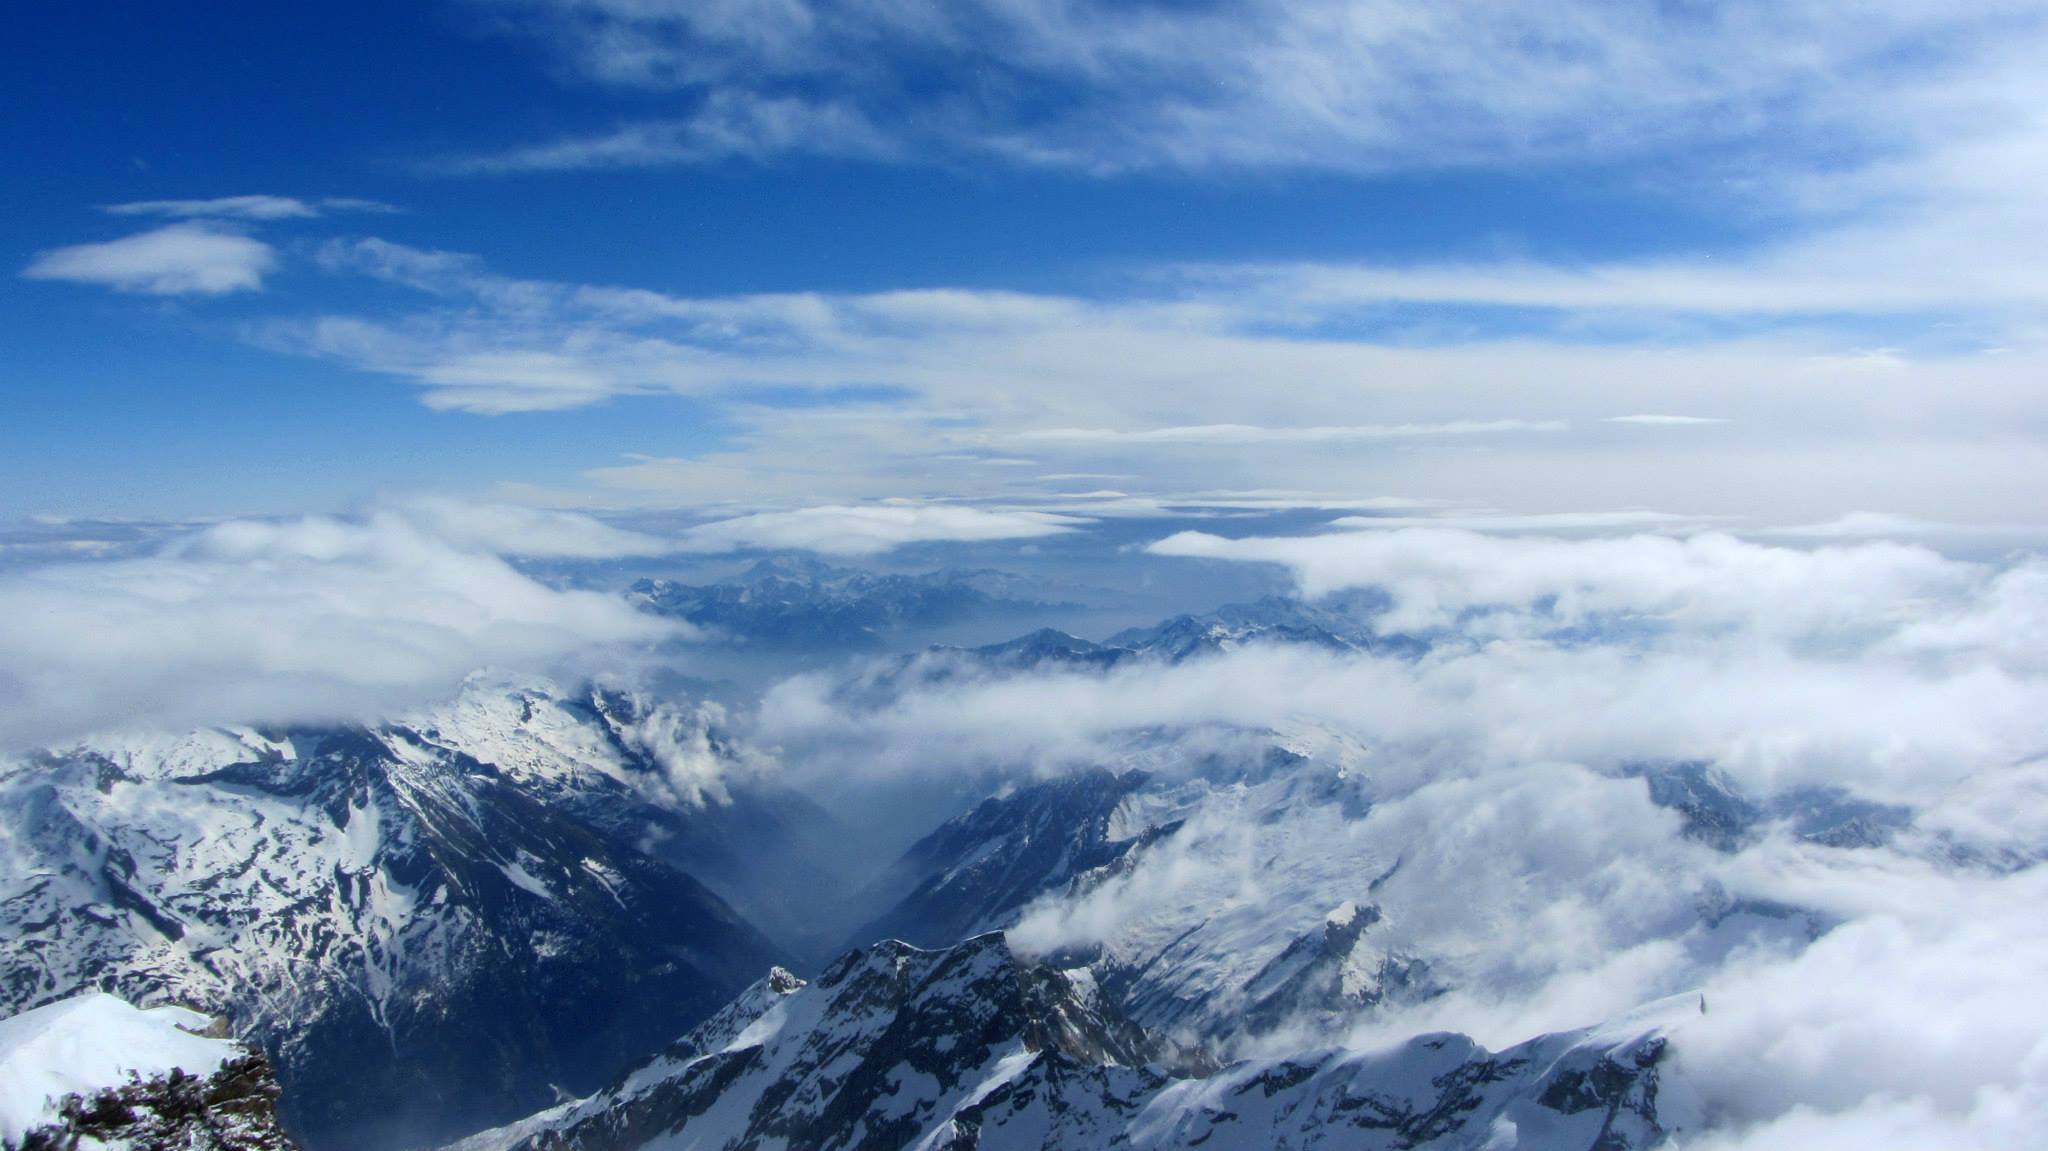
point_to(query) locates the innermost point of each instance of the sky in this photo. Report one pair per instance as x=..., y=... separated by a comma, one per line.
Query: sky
x=1776, y=262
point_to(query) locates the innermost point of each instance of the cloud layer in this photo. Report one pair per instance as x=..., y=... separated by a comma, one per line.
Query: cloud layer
x=299, y=620
x=869, y=530
x=1512, y=844
x=1706, y=580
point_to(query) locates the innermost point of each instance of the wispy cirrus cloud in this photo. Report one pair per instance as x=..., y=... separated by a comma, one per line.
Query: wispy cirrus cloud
x=256, y=207
x=1232, y=434
x=1655, y=420
x=1886, y=526
x=726, y=126
x=1328, y=84
x=1638, y=519
x=1192, y=385
x=524, y=532
x=864, y=530
x=176, y=260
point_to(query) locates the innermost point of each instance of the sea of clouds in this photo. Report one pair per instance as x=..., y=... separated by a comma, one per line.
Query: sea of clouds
x=1503, y=772
x=1502, y=767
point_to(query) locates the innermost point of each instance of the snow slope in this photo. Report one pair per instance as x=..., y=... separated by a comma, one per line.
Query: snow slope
x=974, y=1048
x=93, y=1041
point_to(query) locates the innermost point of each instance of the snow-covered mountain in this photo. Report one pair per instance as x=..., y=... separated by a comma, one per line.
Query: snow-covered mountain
x=670, y=777
x=1272, y=619
x=1342, y=628
x=788, y=602
x=97, y=1072
x=978, y=869
x=1199, y=933
x=972, y=1047
x=1189, y=952
x=429, y=925
x=1231, y=890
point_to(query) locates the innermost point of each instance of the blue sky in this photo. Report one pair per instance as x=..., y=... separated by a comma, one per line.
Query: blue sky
x=757, y=255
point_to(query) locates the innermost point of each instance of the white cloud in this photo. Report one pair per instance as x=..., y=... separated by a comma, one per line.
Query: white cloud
x=1661, y=420
x=1231, y=434
x=1920, y=1025
x=1892, y=149
x=1882, y=525
x=181, y=259
x=512, y=530
x=1772, y=718
x=1244, y=387
x=869, y=530
x=312, y=619
x=1546, y=522
x=247, y=208
x=1710, y=578
x=494, y=383
x=1329, y=83
x=1535, y=876
x=728, y=125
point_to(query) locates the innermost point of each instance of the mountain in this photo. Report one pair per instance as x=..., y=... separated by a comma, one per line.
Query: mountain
x=1189, y=954
x=422, y=940
x=791, y=603
x=1343, y=627
x=1716, y=813
x=1183, y=637
x=95, y=1071
x=978, y=869
x=974, y=1048
x=1272, y=619
x=671, y=778
x=1228, y=887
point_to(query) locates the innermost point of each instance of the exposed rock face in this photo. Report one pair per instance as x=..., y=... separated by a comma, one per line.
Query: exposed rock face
x=974, y=1048
x=1200, y=962
x=233, y=1109
x=975, y=871
x=1332, y=974
x=1558, y=1093
x=94, y=1071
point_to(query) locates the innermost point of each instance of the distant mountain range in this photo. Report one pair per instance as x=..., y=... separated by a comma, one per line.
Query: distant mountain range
x=788, y=602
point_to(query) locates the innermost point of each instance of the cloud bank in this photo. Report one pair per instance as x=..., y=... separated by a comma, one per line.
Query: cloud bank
x=1865, y=946
x=300, y=620
x=532, y=533
x=1709, y=579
